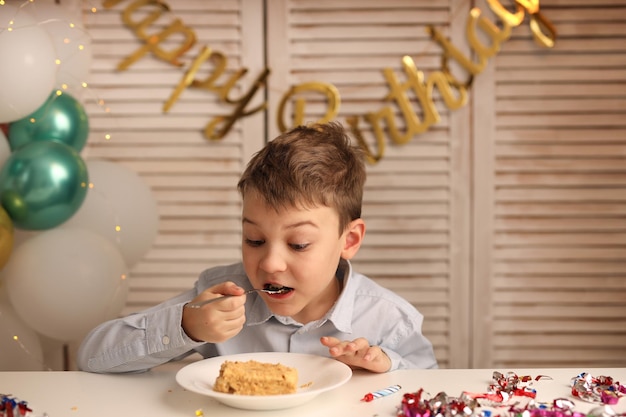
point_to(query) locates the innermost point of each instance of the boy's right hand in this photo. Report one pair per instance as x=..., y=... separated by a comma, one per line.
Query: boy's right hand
x=219, y=321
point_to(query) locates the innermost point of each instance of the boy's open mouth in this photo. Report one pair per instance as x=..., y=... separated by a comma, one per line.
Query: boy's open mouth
x=280, y=289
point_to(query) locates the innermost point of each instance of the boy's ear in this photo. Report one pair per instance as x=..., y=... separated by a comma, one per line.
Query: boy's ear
x=354, y=237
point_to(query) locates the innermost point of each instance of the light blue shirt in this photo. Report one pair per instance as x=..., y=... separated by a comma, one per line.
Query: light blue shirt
x=364, y=309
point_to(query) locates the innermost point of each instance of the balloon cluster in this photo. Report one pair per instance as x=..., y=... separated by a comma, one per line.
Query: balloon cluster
x=43, y=48
x=70, y=229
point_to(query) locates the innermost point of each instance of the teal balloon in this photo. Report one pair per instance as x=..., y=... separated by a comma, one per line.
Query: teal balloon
x=42, y=185
x=60, y=119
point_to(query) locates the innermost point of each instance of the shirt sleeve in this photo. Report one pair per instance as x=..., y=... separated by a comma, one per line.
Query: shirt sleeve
x=139, y=341
x=408, y=348
x=385, y=319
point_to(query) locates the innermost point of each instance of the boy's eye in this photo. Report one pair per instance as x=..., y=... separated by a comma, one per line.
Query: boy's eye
x=299, y=246
x=254, y=243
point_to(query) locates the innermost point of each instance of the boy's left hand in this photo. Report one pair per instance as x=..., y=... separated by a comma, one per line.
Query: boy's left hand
x=358, y=353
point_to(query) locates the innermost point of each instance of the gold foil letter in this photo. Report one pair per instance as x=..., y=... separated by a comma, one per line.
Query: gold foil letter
x=240, y=110
x=537, y=21
x=220, y=62
x=139, y=26
x=370, y=157
x=452, y=52
x=497, y=36
x=153, y=41
x=423, y=92
x=332, y=97
x=506, y=16
x=187, y=79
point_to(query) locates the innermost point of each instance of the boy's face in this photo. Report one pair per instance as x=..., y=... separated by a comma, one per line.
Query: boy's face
x=297, y=248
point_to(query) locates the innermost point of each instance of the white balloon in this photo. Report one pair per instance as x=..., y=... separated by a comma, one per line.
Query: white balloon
x=64, y=282
x=20, y=345
x=28, y=70
x=71, y=41
x=120, y=207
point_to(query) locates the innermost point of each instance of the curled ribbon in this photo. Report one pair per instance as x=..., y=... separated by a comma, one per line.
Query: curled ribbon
x=11, y=407
x=505, y=386
x=418, y=405
x=601, y=389
x=560, y=407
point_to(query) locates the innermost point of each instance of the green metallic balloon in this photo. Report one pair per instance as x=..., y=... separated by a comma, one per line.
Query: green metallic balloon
x=42, y=185
x=61, y=119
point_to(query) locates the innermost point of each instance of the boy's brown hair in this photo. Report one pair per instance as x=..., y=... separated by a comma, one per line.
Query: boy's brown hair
x=309, y=166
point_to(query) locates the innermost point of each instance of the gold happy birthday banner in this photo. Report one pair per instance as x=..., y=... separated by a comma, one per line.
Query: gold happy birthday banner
x=453, y=91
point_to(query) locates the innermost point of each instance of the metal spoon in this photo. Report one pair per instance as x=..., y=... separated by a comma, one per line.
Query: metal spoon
x=199, y=304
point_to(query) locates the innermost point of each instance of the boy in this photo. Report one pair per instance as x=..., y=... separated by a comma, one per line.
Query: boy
x=301, y=224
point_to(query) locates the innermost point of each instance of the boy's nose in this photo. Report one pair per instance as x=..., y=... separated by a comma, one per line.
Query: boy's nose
x=272, y=261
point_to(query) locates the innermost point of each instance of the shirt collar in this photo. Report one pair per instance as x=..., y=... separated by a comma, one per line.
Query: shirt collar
x=340, y=314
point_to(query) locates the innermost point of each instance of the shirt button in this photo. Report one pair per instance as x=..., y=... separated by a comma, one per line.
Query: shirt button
x=165, y=340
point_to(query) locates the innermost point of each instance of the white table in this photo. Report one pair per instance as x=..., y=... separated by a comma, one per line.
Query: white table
x=156, y=393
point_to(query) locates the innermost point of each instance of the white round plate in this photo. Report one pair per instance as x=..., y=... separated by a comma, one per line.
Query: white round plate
x=316, y=374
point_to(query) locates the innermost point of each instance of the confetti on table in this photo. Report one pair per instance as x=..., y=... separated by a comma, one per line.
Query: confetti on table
x=419, y=404
x=12, y=407
x=506, y=386
x=600, y=389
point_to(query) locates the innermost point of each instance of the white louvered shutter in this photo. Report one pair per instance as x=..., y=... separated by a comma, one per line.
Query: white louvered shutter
x=550, y=140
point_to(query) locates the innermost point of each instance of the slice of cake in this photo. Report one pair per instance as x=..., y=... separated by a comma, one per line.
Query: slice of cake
x=256, y=378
